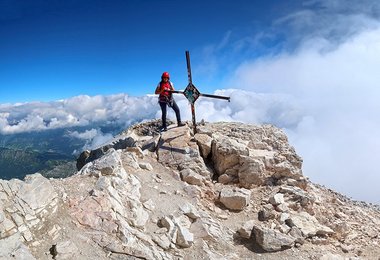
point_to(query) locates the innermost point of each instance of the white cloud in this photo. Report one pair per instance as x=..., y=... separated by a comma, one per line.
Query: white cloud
x=337, y=113
x=319, y=82
x=86, y=135
x=93, y=137
x=76, y=111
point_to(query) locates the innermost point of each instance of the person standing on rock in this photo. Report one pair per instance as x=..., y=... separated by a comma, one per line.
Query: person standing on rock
x=165, y=99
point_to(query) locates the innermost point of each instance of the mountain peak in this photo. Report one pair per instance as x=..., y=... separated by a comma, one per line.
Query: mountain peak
x=230, y=191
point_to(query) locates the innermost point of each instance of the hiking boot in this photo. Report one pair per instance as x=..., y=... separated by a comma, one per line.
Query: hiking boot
x=163, y=129
x=181, y=124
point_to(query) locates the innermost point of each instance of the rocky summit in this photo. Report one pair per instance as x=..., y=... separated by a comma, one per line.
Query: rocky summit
x=231, y=191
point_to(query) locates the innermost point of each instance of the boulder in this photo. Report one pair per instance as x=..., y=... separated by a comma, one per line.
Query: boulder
x=308, y=224
x=179, y=151
x=37, y=192
x=204, y=142
x=235, y=198
x=226, y=153
x=109, y=164
x=82, y=159
x=190, y=211
x=207, y=228
x=226, y=179
x=162, y=240
x=252, y=171
x=117, y=143
x=272, y=240
x=277, y=199
x=266, y=214
x=145, y=166
x=245, y=231
x=297, y=194
x=184, y=237
x=151, y=144
x=287, y=169
x=192, y=177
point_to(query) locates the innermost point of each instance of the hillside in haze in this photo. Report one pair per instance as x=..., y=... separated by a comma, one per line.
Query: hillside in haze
x=16, y=163
x=51, y=152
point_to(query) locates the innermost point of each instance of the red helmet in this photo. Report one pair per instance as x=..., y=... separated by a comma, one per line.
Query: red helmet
x=165, y=75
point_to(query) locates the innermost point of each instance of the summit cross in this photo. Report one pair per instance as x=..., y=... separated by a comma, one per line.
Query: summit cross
x=192, y=93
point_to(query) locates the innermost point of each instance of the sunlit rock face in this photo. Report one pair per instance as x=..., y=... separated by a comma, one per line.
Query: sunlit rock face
x=231, y=191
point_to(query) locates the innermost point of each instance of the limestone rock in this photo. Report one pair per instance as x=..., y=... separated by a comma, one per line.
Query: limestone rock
x=66, y=250
x=109, y=164
x=272, y=240
x=191, y=177
x=7, y=228
x=36, y=192
x=136, y=150
x=117, y=143
x=162, y=240
x=235, y=198
x=226, y=153
x=151, y=144
x=296, y=194
x=13, y=248
x=277, y=199
x=146, y=166
x=297, y=234
x=207, y=228
x=308, y=225
x=184, y=237
x=112, y=209
x=252, y=171
x=286, y=169
x=177, y=150
x=246, y=230
x=226, y=179
x=190, y=211
x=266, y=214
x=204, y=142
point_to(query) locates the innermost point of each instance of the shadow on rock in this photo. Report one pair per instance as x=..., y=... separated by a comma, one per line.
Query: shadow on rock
x=250, y=243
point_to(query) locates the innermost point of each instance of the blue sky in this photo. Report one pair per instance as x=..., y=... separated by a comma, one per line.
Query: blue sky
x=57, y=49
x=309, y=67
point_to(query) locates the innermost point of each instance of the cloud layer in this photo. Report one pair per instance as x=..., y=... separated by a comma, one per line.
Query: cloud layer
x=331, y=70
x=82, y=110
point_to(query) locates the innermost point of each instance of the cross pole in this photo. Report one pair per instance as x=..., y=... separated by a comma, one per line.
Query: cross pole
x=192, y=93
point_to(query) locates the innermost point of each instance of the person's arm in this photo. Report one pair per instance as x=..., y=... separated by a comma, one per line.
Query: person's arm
x=158, y=89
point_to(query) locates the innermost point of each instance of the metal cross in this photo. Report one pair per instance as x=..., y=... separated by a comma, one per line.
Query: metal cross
x=192, y=93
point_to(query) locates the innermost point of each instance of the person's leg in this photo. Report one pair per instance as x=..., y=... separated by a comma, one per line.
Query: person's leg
x=163, y=110
x=177, y=113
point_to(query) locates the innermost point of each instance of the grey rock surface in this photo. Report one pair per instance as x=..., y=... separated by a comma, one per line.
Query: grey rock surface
x=215, y=195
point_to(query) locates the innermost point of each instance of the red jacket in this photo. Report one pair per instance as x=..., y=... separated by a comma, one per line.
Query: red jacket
x=162, y=88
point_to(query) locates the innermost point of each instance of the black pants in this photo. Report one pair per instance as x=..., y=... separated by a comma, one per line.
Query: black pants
x=163, y=106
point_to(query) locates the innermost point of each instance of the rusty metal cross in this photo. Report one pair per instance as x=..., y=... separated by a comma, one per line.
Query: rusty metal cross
x=192, y=93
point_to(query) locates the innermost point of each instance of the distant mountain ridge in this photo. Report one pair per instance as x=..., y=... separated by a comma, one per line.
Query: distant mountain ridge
x=50, y=152
x=16, y=163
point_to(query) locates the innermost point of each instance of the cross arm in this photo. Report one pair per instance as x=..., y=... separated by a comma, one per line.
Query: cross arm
x=202, y=95
x=215, y=96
